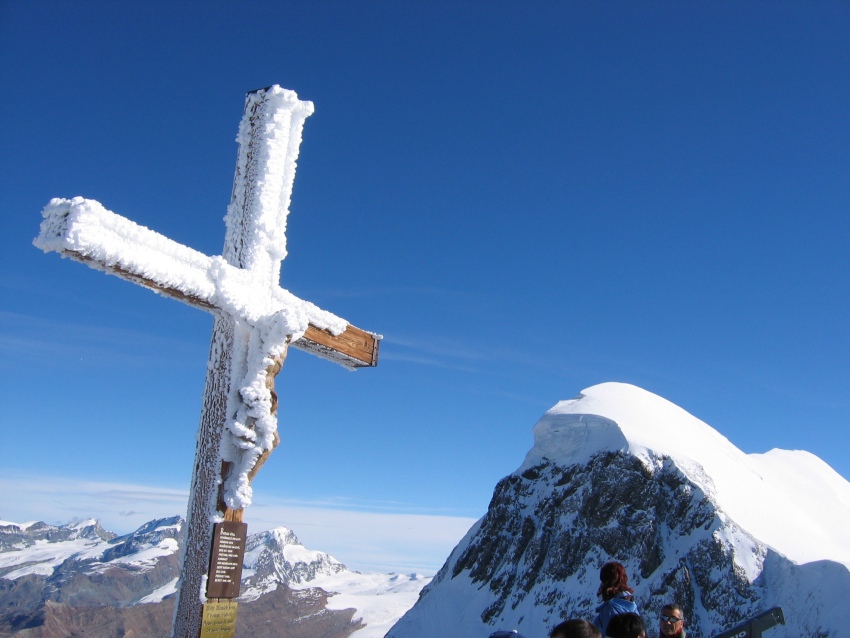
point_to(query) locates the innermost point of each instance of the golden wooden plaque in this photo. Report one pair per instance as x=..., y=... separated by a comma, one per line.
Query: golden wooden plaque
x=219, y=619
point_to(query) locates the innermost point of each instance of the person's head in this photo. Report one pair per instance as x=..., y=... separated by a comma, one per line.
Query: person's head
x=626, y=625
x=575, y=628
x=613, y=580
x=672, y=620
x=513, y=633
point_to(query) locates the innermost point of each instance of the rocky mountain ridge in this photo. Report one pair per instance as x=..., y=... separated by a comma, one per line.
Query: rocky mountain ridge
x=14, y=536
x=591, y=490
x=80, y=580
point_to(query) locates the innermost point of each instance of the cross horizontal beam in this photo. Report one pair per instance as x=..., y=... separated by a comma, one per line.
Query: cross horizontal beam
x=85, y=231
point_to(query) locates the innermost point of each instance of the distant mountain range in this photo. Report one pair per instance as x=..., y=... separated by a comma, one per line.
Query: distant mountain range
x=621, y=474
x=81, y=580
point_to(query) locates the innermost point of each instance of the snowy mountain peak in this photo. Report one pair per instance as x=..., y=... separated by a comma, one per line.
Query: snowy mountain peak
x=277, y=556
x=281, y=536
x=778, y=497
x=619, y=473
x=619, y=416
x=155, y=538
x=17, y=536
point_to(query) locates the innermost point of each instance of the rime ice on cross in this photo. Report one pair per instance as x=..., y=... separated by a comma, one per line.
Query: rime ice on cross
x=255, y=319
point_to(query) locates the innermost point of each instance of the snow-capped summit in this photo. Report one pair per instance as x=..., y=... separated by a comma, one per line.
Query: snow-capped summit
x=619, y=473
x=17, y=536
x=779, y=497
x=277, y=556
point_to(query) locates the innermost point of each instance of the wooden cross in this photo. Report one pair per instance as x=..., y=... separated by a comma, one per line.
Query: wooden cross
x=255, y=320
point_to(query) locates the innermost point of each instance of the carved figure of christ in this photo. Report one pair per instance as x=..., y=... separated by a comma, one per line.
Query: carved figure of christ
x=255, y=320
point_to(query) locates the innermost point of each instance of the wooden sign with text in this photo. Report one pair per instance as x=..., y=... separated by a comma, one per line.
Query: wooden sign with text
x=226, y=563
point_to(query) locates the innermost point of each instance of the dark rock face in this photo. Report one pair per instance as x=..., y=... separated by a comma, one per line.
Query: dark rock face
x=552, y=524
x=58, y=620
x=117, y=585
x=534, y=558
x=289, y=613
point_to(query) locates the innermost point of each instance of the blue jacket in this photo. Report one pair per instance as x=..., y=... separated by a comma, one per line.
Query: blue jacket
x=621, y=604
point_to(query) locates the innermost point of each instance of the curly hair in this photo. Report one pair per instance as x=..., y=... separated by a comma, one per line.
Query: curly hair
x=613, y=581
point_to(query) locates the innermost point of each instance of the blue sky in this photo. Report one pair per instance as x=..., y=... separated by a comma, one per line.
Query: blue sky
x=525, y=199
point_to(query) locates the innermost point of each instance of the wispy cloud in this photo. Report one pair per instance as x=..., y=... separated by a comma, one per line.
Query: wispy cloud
x=398, y=291
x=26, y=335
x=371, y=536
x=493, y=359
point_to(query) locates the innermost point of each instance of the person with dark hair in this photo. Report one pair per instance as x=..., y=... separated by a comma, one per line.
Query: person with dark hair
x=575, y=628
x=672, y=622
x=626, y=625
x=513, y=633
x=615, y=593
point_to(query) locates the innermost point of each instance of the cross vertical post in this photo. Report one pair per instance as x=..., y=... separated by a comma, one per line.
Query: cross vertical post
x=257, y=213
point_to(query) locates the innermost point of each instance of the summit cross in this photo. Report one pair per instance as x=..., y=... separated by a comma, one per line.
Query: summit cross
x=255, y=320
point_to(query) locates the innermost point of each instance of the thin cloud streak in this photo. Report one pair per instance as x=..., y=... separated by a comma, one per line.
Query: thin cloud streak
x=457, y=355
x=390, y=292
x=28, y=335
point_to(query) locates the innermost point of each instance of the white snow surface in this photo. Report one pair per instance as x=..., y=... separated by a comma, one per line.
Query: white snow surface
x=158, y=595
x=790, y=500
x=43, y=557
x=86, y=543
x=380, y=599
x=20, y=526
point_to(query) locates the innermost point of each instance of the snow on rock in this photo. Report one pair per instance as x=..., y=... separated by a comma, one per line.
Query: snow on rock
x=779, y=497
x=160, y=593
x=277, y=556
x=40, y=549
x=43, y=557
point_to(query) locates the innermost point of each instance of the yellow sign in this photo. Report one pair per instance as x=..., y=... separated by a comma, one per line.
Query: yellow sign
x=219, y=619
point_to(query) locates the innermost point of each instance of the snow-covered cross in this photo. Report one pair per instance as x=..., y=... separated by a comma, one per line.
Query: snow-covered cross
x=255, y=319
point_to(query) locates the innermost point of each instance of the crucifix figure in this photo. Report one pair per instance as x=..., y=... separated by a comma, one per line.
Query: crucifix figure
x=255, y=320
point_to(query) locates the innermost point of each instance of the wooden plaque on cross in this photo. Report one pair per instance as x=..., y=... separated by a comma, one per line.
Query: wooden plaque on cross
x=255, y=320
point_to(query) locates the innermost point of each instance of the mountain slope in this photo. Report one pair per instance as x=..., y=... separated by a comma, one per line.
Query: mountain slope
x=619, y=473
x=57, y=580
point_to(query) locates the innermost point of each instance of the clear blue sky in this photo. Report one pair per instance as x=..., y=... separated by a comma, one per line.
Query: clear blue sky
x=526, y=199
